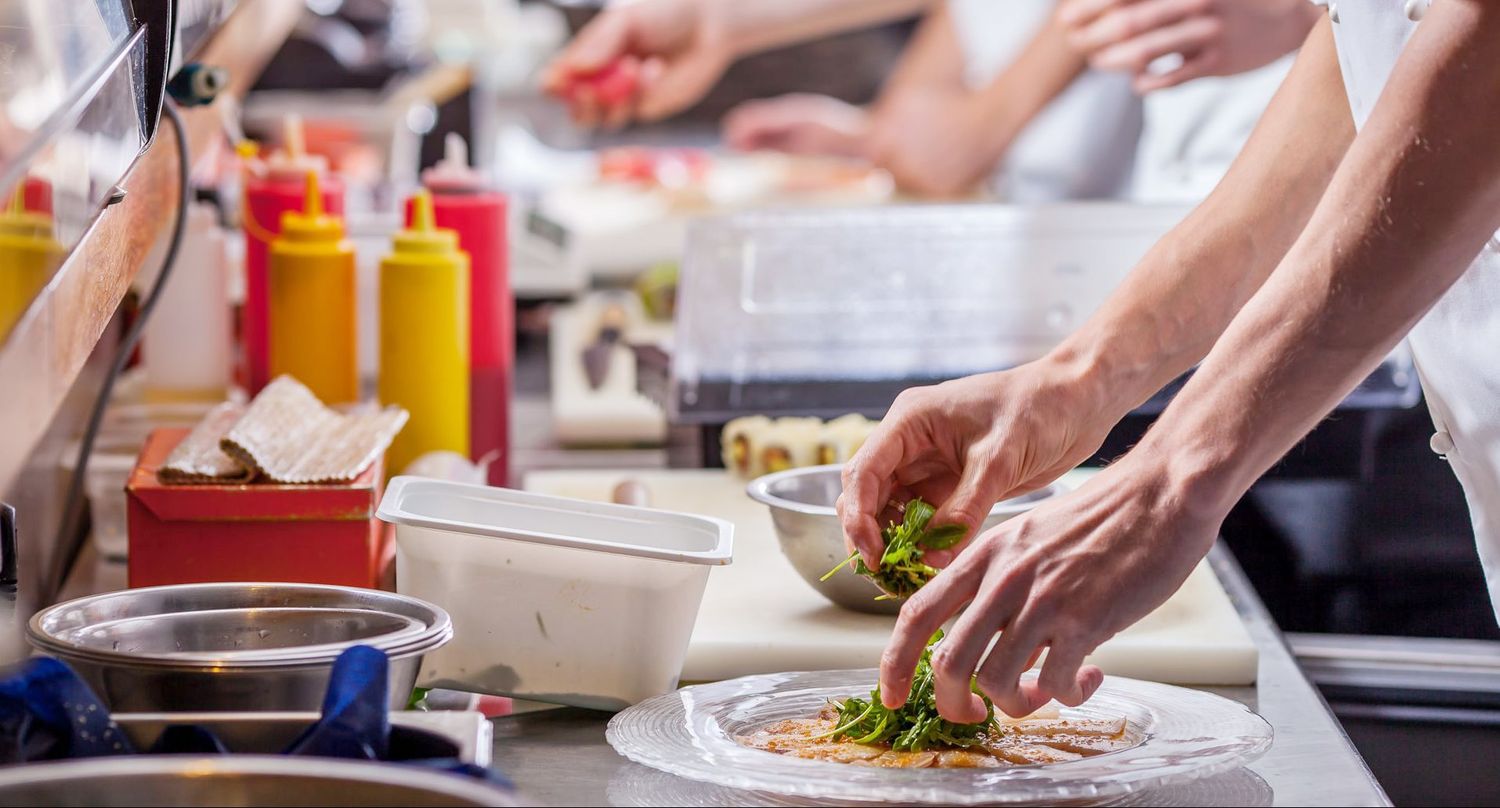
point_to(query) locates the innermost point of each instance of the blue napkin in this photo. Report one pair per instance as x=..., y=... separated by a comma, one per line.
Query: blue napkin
x=48, y=713
x=355, y=722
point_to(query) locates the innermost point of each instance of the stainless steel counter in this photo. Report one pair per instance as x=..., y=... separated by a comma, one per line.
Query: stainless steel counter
x=560, y=757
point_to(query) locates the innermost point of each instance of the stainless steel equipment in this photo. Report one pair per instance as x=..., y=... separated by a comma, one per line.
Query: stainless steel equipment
x=172, y=780
x=807, y=527
x=234, y=646
x=464, y=735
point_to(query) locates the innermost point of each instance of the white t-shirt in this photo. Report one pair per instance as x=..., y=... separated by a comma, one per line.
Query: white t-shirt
x=1082, y=146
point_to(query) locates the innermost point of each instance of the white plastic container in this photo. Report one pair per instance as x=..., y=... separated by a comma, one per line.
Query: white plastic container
x=553, y=599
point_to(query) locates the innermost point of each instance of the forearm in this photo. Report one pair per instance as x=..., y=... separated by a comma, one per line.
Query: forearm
x=1409, y=208
x=756, y=25
x=933, y=58
x=1040, y=72
x=1177, y=302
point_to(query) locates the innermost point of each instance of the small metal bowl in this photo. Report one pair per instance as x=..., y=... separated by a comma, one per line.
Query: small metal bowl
x=234, y=646
x=183, y=780
x=802, y=508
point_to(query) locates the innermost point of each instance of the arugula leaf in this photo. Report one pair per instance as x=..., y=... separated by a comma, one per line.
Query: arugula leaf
x=916, y=725
x=901, y=571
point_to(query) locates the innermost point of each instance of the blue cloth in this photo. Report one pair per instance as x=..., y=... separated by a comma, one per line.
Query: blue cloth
x=48, y=713
x=356, y=722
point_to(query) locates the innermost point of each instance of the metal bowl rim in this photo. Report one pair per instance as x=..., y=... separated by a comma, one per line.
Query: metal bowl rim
x=362, y=771
x=759, y=489
x=439, y=631
x=223, y=665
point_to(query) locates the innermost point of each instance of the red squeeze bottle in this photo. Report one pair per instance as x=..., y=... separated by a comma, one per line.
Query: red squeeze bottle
x=279, y=188
x=461, y=202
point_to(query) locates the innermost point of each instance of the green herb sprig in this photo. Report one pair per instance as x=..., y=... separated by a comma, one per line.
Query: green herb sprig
x=916, y=725
x=901, y=571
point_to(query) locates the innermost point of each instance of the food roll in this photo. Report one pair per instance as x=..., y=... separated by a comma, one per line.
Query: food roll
x=740, y=442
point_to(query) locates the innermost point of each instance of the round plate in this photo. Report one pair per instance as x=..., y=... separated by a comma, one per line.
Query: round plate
x=1183, y=735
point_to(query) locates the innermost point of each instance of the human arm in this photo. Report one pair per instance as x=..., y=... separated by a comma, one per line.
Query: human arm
x=680, y=48
x=1213, y=37
x=938, y=136
x=1409, y=207
x=969, y=443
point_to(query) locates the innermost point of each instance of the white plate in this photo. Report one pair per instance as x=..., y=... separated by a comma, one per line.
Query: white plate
x=1185, y=735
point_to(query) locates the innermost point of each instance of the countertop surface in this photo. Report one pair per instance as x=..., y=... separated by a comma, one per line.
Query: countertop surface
x=560, y=756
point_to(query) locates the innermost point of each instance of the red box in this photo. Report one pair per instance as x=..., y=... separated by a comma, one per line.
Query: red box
x=325, y=534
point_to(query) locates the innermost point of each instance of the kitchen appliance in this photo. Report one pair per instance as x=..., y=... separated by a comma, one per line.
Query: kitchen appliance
x=235, y=646
x=553, y=600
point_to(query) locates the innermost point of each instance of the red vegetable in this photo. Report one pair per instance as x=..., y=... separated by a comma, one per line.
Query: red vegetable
x=613, y=84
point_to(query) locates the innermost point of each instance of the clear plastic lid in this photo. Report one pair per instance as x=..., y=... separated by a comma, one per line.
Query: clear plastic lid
x=832, y=311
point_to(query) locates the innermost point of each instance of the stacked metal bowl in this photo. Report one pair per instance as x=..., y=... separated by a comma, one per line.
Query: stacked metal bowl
x=234, y=646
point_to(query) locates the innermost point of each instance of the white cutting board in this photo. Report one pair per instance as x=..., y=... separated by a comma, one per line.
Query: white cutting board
x=758, y=616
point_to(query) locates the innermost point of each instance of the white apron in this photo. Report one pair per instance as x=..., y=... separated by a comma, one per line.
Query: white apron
x=1457, y=345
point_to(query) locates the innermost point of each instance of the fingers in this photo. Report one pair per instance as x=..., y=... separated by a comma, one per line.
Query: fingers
x=1000, y=675
x=954, y=661
x=1078, y=13
x=1205, y=63
x=602, y=41
x=867, y=486
x=989, y=472
x=1064, y=676
x=1134, y=56
x=1127, y=22
x=921, y=615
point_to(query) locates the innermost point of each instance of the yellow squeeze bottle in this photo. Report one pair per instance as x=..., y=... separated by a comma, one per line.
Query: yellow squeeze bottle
x=313, y=319
x=424, y=338
x=28, y=256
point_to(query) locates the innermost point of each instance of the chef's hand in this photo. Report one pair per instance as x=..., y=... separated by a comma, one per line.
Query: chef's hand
x=966, y=444
x=670, y=53
x=800, y=123
x=936, y=142
x=1065, y=577
x=1214, y=37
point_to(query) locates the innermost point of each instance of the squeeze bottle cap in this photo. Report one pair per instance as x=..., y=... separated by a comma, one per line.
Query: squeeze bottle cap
x=312, y=224
x=453, y=173
x=290, y=162
x=424, y=236
x=17, y=221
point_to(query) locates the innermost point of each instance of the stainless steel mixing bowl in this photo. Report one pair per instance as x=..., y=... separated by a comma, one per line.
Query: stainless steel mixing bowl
x=185, y=780
x=234, y=646
x=807, y=526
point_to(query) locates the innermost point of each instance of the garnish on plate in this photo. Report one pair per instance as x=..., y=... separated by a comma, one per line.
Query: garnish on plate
x=914, y=726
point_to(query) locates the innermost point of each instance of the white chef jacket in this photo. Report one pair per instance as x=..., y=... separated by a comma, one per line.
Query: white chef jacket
x=1082, y=145
x=1194, y=131
x=1455, y=345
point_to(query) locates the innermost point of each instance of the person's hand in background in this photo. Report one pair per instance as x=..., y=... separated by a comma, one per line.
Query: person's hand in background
x=966, y=444
x=1213, y=37
x=641, y=60
x=799, y=123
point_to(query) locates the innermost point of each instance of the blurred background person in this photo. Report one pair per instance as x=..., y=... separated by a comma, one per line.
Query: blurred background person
x=982, y=91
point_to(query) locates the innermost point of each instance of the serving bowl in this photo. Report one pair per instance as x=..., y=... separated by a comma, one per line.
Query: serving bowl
x=183, y=780
x=234, y=646
x=802, y=504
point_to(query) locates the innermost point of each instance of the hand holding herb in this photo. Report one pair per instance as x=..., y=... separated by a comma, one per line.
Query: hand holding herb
x=916, y=725
x=902, y=571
